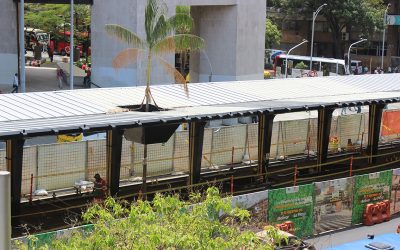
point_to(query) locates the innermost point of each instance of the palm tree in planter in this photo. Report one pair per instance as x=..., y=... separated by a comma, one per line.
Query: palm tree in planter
x=161, y=39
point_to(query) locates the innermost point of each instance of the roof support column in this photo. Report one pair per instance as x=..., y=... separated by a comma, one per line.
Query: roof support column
x=14, y=152
x=265, y=125
x=374, y=128
x=324, y=130
x=196, y=137
x=114, y=148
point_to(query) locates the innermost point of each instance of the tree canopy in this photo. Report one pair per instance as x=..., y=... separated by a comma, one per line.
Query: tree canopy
x=52, y=17
x=168, y=223
x=364, y=15
x=272, y=34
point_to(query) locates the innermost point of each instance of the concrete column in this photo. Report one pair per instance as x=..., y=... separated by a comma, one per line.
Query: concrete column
x=8, y=42
x=5, y=210
x=234, y=36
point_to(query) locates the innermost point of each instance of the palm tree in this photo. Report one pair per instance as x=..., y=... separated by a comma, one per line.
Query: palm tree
x=160, y=40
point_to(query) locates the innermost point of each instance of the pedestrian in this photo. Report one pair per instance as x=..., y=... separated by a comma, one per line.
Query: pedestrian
x=15, y=84
x=50, y=51
x=376, y=71
x=86, y=79
x=60, y=78
x=99, y=189
x=389, y=70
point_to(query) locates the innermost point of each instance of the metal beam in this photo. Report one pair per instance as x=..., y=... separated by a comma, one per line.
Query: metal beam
x=374, y=128
x=14, y=156
x=114, y=148
x=88, y=2
x=265, y=125
x=196, y=137
x=324, y=130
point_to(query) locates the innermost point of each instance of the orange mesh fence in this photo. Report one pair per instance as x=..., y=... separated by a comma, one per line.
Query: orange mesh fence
x=391, y=123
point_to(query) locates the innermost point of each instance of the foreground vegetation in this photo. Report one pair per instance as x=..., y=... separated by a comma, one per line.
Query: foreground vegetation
x=167, y=223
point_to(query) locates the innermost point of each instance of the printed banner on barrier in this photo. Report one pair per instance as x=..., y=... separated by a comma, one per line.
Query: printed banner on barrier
x=370, y=188
x=294, y=204
x=395, y=204
x=256, y=203
x=333, y=204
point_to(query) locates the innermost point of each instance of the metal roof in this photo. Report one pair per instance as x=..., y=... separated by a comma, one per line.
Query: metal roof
x=93, y=109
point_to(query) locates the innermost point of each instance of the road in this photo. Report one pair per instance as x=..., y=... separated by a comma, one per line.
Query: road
x=328, y=241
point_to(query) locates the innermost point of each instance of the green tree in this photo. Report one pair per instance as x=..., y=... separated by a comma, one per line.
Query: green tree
x=365, y=15
x=160, y=40
x=52, y=17
x=272, y=34
x=168, y=223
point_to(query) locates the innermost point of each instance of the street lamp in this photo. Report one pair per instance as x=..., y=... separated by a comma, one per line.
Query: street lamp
x=71, y=46
x=22, y=46
x=287, y=55
x=348, y=53
x=315, y=14
x=384, y=31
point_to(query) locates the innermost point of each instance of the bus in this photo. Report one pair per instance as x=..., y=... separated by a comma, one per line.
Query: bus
x=299, y=66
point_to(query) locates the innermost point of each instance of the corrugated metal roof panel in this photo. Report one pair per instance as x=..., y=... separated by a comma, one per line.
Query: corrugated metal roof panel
x=66, y=109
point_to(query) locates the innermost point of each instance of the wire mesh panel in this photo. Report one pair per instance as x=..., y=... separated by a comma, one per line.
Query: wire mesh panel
x=126, y=160
x=351, y=130
x=29, y=167
x=252, y=141
x=181, y=152
x=228, y=144
x=3, y=160
x=159, y=158
x=96, y=158
x=61, y=165
x=207, y=147
x=293, y=137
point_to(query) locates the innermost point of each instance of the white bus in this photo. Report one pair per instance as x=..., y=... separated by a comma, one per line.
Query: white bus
x=299, y=66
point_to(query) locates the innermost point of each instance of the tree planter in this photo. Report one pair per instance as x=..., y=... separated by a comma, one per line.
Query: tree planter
x=151, y=134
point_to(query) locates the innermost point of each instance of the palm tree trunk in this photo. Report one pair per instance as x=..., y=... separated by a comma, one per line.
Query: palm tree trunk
x=147, y=96
x=148, y=81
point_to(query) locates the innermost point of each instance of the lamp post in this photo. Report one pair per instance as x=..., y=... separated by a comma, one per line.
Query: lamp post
x=286, y=62
x=348, y=53
x=209, y=63
x=315, y=14
x=71, y=46
x=22, y=45
x=384, y=33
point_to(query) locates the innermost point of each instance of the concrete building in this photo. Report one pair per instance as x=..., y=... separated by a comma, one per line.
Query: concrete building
x=8, y=42
x=233, y=30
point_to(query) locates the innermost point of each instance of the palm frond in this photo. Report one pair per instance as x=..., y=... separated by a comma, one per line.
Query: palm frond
x=178, y=77
x=182, y=23
x=126, y=57
x=160, y=30
x=124, y=35
x=178, y=43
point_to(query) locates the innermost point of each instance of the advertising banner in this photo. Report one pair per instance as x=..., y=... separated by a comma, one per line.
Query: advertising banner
x=333, y=204
x=256, y=203
x=395, y=204
x=370, y=188
x=295, y=204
